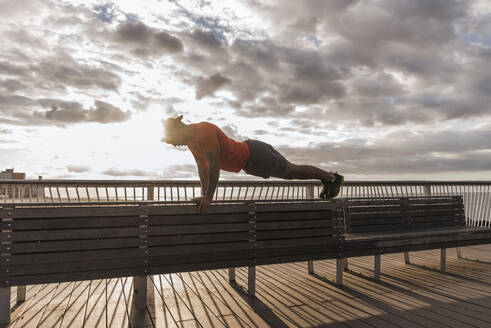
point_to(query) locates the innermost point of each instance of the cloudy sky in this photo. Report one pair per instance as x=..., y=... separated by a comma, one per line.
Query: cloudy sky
x=376, y=89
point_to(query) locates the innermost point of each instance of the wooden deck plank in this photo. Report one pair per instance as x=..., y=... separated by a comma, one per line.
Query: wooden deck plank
x=33, y=314
x=217, y=306
x=137, y=317
x=233, y=297
x=95, y=314
x=77, y=302
x=158, y=311
x=179, y=310
x=55, y=310
x=287, y=296
x=203, y=314
x=18, y=312
x=116, y=314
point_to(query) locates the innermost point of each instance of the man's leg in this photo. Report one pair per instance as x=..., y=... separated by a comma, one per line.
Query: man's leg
x=305, y=172
x=331, y=182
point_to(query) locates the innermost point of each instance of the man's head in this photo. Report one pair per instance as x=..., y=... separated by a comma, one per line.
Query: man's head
x=176, y=132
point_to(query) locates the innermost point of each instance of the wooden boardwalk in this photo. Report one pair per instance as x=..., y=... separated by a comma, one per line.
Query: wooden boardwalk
x=407, y=296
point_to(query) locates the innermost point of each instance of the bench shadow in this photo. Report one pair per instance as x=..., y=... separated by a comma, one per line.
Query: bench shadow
x=474, y=260
x=451, y=274
x=259, y=307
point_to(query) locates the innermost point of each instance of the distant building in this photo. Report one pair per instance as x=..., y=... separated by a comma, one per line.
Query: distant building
x=22, y=192
x=10, y=174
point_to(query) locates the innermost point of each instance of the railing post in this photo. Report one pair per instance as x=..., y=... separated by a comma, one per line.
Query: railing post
x=150, y=192
x=427, y=190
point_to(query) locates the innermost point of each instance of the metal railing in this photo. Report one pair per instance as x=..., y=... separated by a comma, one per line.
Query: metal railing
x=476, y=194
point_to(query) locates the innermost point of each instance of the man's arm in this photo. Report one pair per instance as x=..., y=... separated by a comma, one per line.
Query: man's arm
x=203, y=175
x=208, y=175
x=213, y=157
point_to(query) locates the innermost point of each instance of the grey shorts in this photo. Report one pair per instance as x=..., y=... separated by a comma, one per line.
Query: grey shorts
x=264, y=161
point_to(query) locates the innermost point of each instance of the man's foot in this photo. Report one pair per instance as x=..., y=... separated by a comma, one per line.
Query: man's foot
x=326, y=190
x=335, y=186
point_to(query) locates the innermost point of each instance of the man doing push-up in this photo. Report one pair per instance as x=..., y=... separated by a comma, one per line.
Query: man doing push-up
x=214, y=151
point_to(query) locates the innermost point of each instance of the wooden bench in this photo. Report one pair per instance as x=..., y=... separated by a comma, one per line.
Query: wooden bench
x=405, y=224
x=45, y=243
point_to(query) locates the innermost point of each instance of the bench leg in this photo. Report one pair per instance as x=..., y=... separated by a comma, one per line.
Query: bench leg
x=231, y=274
x=443, y=259
x=406, y=257
x=310, y=267
x=140, y=287
x=251, y=281
x=339, y=271
x=377, y=267
x=4, y=305
x=459, y=252
x=21, y=294
x=345, y=264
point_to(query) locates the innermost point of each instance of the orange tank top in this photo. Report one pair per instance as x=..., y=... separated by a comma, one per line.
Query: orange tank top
x=206, y=136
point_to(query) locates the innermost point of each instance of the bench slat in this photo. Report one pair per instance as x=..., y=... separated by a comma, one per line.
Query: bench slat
x=300, y=206
x=295, y=233
x=197, y=219
x=418, y=208
x=197, y=238
x=197, y=228
x=71, y=223
x=276, y=225
x=284, y=216
x=70, y=234
x=71, y=245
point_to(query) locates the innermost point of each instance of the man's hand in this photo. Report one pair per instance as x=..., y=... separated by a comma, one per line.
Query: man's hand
x=203, y=203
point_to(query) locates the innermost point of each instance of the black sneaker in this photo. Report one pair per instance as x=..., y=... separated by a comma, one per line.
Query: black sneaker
x=336, y=185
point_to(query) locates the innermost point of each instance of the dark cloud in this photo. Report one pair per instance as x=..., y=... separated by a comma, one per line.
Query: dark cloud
x=208, y=86
x=7, y=68
x=63, y=70
x=180, y=171
x=11, y=85
x=372, y=63
x=21, y=110
x=71, y=112
x=115, y=172
x=409, y=152
x=56, y=73
x=142, y=103
x=78, y=168
x=146, y=41
x=207, y=40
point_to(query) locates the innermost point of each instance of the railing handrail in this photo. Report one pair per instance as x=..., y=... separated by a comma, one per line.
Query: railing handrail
x=229, y=182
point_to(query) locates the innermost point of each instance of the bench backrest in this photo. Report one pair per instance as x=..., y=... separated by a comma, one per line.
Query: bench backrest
x=436, y=212
x=387, y=215
x=42, y=244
